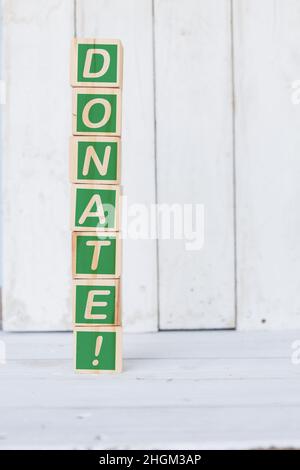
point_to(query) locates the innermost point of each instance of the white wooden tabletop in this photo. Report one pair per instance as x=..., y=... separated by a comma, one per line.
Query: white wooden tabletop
x=215, y=389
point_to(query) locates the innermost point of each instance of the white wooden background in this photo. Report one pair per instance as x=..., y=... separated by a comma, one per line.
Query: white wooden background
x=208, y=119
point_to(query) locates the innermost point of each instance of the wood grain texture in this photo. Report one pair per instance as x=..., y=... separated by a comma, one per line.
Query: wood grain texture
x=131, y=22
x=193, y=84
x=194, y=159
x=266, y=43
x=36, y=200
x=225, y=389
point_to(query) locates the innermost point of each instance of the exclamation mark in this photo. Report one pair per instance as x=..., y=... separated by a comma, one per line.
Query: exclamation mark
x=97, y=350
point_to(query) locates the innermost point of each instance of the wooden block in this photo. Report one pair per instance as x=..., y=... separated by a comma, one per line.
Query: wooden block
x=98, y=349
x=95, y=207
x=96, y=255
x=96, y=302
x=96, y=111
x=96, y=63
x=95, y=160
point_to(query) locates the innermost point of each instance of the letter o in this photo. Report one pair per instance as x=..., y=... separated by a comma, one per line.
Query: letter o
x=86, y=111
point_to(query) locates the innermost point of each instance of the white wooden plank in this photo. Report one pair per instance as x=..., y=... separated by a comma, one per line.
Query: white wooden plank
x=266, y=43
x=36, y=200
x=119, y=393
x=174, y=369
x=162, y=428
x=194, y=158
x=131, y=21
x=148, y=356
x=165, y=345
x=154, y=404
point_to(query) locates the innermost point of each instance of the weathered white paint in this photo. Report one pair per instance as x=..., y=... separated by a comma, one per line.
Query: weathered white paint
x=267, y=58
x=36, y=199
x=218, y=389
x=193, y=81
x=194, y=158
x=131, y=21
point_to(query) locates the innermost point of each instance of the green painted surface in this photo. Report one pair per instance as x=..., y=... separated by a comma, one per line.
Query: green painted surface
x=100, y=148
x=108, y=310
x=96, y=113
x=97, y=62
x=107, y=201
x=84, y=255
x=86, y=348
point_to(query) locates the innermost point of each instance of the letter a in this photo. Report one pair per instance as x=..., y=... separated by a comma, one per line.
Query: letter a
x=95, y=199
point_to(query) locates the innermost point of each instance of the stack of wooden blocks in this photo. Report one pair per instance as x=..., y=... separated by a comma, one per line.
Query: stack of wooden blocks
x=95, y=152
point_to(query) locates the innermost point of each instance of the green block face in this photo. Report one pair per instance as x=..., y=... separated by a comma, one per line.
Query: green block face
x=95, y=207
x=95, y=302
x=97, y=63
x=96, y=350
x=94, y=160
x=97, y=112
x=96, y=256
x=94, y=58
